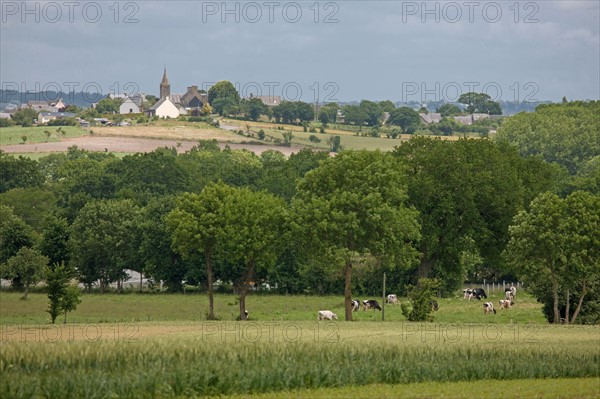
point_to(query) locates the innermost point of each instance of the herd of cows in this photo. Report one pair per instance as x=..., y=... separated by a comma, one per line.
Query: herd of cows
x=469, y=293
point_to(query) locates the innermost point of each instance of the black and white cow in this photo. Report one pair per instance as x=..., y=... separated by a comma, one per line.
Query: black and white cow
x=488, y=307
x=355, y=305
x=371, y=304
x=434, y=305
x=468, y=293
x=510, y=293
x=326, y=315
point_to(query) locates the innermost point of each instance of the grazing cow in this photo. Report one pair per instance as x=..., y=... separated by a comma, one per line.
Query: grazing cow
x=326, y=315
x=488, y=307
x=371, y=304
x=434, y=305
x=392, y=298
x=355, y=305
x=479, y=293
x=505, y=303
x=510, y=293
x=468, y=293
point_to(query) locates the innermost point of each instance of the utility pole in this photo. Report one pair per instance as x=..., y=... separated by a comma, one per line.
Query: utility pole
x=383, y=300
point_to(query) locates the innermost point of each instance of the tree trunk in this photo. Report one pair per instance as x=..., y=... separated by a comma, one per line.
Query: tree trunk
x=244, y=289
x=141, y=280
x=425, y=266
x=243, y=303
x=555, y=300
x=578, y=308
x=65, y=319
x=567, y=308
x=26, y=292
x=348, y=290
x=209, y=275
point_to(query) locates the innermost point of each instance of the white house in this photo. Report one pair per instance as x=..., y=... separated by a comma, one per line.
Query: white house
x=45, y=117
x=164, y=109
x=129, y=107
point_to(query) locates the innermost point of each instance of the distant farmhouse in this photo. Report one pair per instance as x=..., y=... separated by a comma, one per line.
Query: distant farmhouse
x=434, y=117
x=49, y=106
x=269, y=101
x=45, y=117
x=172, y=105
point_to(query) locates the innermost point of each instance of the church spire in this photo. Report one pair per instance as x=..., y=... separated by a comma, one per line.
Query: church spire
x=165, y=86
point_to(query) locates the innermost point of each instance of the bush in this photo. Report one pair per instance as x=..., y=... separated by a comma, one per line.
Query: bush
x=261, y=134
x=6, y=122
x=420, y=298
x=63, y=122
x=314, y=139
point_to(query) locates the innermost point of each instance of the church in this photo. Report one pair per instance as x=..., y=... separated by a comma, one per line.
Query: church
x=172, y=105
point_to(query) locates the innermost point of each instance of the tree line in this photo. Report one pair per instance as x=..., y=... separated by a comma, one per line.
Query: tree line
x=311, y=223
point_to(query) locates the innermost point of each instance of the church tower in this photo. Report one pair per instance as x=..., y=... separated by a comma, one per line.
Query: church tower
x=165, y=86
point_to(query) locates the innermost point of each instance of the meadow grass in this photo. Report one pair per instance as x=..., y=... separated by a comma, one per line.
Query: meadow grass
x=111, y=308
x=231, y=358
x=160, y=345
x=35, y=134
x=511, y=389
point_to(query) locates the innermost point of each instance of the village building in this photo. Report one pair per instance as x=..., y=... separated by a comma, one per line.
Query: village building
x=173, y=105
x=269, y=101
x=432, y=117
x=45, y=117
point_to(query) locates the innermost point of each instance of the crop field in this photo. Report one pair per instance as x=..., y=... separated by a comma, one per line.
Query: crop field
x=160, y=345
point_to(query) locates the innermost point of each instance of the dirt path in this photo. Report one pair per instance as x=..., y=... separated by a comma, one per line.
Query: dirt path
x=130, y=145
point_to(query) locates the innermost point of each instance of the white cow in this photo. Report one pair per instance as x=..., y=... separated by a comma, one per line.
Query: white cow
x=393, y=299
x=488, y=307
x=510, y=293
x=326, y=315
x=505, y=303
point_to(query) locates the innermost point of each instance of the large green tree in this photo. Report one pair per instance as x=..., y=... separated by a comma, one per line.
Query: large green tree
x=157, y=259
x=104, y=241
x=18, y=172
x=54, y=240
x=223, y=97
x=563, y=133
x=467, y=193
x=28, y=266
x=407, y=118
x=480, y=103
x=32, y=204
x=352, y=206
x=254, y=225
x=555, y=247
x=14, y=234
x=196, y=224
x=448, y=110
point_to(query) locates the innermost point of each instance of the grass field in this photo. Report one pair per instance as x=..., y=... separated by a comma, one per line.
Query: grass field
x=35, y=134
x=160, y=345
x=97, y=308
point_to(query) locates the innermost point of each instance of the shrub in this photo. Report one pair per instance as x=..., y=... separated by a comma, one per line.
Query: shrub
x=420, y=298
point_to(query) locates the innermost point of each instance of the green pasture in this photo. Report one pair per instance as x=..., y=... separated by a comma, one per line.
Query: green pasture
x=36, y=134
x=111, y=308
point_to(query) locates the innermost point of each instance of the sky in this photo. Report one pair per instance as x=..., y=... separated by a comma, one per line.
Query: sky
x=307, y=50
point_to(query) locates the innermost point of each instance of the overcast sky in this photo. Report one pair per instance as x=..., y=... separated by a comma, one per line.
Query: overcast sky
x=337, y=50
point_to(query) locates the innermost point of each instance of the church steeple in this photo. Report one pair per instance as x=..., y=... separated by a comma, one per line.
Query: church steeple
x=165, y=86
